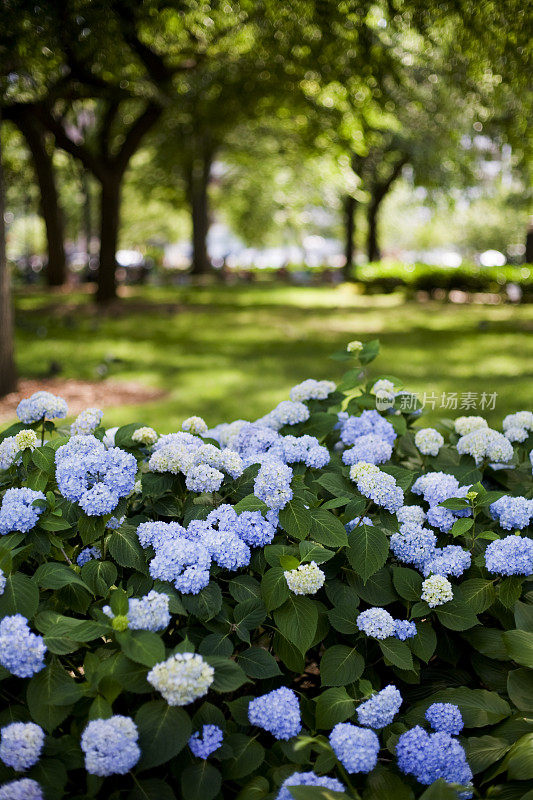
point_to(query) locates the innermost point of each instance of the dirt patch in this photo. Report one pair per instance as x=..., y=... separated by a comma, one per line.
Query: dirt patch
x=80, y=394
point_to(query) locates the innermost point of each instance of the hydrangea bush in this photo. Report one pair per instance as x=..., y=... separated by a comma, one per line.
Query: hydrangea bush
x=331, y=601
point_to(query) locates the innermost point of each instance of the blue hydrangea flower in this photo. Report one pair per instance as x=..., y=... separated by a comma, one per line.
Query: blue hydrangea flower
x=98, y=500
x=21, y=651
x=88, y=554
x=2, y=581
x=307, y=779
x=202, y=745
x=254, y=529
x=21, y=745
x=113, y=523
x=86, y=422
x=414, y=515
x=370, y=421
x=148, y=613
x=288, y=412
x=273, y=484
x=311, y=389
x=435, y=487
x=354, y=523
x=356, y=748
x=369, y=448
x=154, y=534
x=403, y=629
x=445, y=717
x=512, y=512
x=510, y=556
x=277, y=712
x=254, y=440
x=8, y=450
x=110, y=746
x=17, y=512
x=184, y=563
x=377, y=485
x=413, y=545
x=449, y=560
x=226, y=549
x=376, y=622
x=41, y=405
x=305, y=448
x=23, y=789
x=432, y=756
x=202, y=478
x=381, y=709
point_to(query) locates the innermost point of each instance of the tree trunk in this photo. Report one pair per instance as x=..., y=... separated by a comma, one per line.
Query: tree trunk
x=49, y=201
x=373, y=251
x=198, y=180
x=87, y=213
x=8, y=375
x=109, y=227
x=529, y=244
x=350, y=204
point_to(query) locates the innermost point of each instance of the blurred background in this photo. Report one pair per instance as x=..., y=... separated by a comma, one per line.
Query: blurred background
x=203, y=200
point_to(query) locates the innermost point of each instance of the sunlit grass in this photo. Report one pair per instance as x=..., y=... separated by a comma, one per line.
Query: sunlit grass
x=227, y=352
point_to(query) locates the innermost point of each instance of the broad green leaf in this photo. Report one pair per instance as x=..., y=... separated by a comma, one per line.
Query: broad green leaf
x=99, y=576
x=200, y=781
x=206, y=604
x=151, y=789
x=340, y=665
x=367, y=550
x=520, y=689
x=327, y=529
x=295, y=519
x=229, y=676
x=274, y=589
x=456, y=615
x=126, y=550
x=509, y=590
x=53, y=576
x=397, y=653
x=144, y=647
x=407, y=582
x=20, y=596
x=520, y=759
x=482, y=751
x=163, y=731
x=311, y=551
x=519, y=646
x=259, y=663
x=50, y=695
x=332, y=706
x=247, y=756
x=478, y=594
x=297, y=620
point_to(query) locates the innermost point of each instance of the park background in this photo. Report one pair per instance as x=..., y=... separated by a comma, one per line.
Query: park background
x=204, y=200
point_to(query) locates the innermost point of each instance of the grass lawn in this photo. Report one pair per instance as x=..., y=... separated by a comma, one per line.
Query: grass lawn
x=230, y=352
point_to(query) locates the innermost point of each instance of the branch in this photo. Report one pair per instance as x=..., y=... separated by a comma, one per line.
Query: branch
x=63, y=140
x=133, y=138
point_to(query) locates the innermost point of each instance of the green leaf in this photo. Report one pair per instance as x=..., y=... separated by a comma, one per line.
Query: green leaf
x=247, y=756
x=510, y=590
x=124, y=434
x=144, y=647
x=520, y=689
x=295, y=519
x=51, y=774
x=482, y=751
x=206, y=604
x=229, y=676
x=488, y=641
x=125, y=548
x=519, y=646
x=385, y=785
x=478, y=594
x=315, y=793
x=244, y=587
x=523, y=614
x=332, y=706
x=327, y=529
x=99, y=576
x=50, y=694
x=455, y=504
x=424, y=643
x=439, y=790
x=290, y=655
x=336, y=484
x=255, y=789
x=520, y=759
x=163, y=732
x=341, y=665
x=397, y=653
x=461, y=526
x=274, y=589
x=259, y=663
x=250, y=503
x=456, y=615
x=310, y=551
x=407, y=583
x=367, y=550
x=151, y=789
x=478, y=707
x=20, y=596
x=378, y=589
x=216, y=644
x=53, y=576
x=200, y=781
x=297, y=620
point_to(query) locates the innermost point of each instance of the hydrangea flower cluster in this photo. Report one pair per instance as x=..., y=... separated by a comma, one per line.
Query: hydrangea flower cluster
x=288, y=412
x=26, y=439
x=110, y=746
x=377, y=485
x=88, y=554
x=21, y=744
x=86, y=422
x=378, y=623
x=518, y=426
x=369, y=448
x=203, y=465
x=414, y=544
x=23, y=789
x=512, y=512
x=356, y=748
x=429, y=441
x=484, y=443
x=194, y=425
x=3, y=580
x=182, y=678
x=429, y=757
x=305, y=449
x=277, y=712
x=445, y=717
x=273, y=484
x=18, y=512
x=21, y=651
x=381, y=708
x=8, y=451
x=436, y=590
x=94, y=477
x=41, y=405
x=370, y=421
x=210, y=739
x=449, y=560
x=305, y=579
x=307, y=779
x=183, y=562
x=512, y=555
x=148, y=613
x=465, y=425
x=435, y=487
x=144, y=435
x=311, y=389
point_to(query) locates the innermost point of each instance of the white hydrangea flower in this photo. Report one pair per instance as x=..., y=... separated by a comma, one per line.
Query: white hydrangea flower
x=144, y=435
x=26, y=439
x=306, y=579
x=436, y=590
x=109, y=437
x=464, y=425
x=312, y=390
x=182, y=678
x=383, y=386
x=174, y=458
x=516, y=434
x=429, y=441
x=521, y=419
x=354, y=347
x=195, y=425
x=486, y=443
x=8, y=450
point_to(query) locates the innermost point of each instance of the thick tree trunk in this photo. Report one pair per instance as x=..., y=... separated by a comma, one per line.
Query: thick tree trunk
x=372, y=246
x=109, y=227
x=8, y=375
x=50, y=207
x=529, y=244
x=87, y=213
x=350, y=204
x=198, y=180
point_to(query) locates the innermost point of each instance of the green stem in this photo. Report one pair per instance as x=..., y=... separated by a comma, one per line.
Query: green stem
x=355, y=794
x=43, y=431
